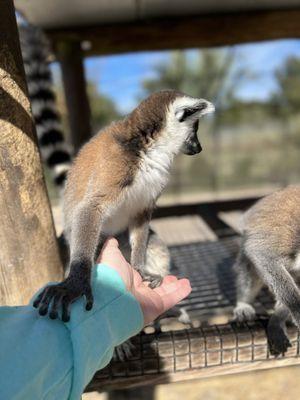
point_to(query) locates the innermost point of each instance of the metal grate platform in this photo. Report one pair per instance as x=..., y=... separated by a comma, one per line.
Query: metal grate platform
x=206, y=348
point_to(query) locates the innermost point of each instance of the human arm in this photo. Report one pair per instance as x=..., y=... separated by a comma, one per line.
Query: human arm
x=46, y=359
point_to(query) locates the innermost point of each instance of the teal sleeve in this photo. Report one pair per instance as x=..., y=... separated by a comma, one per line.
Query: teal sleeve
x=49, y=360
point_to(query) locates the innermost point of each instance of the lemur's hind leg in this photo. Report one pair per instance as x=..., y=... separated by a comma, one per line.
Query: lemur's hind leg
x=139, y=239
x=276, y=331
x=248, y=284
x=158, y=259
x=158, y=262
x=273, y=268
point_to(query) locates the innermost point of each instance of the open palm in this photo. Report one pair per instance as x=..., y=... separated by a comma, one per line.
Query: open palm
x=154, y=302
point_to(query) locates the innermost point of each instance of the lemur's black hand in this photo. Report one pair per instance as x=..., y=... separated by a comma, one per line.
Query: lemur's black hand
x=63, y=294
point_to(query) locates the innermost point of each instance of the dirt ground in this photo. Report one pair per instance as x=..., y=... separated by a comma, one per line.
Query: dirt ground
x=274, y=384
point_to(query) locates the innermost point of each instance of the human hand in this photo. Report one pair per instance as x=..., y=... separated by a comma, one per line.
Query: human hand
x=153, y=302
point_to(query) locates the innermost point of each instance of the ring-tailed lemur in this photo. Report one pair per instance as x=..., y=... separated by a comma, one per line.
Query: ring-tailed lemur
x=270, y=255
x=55, y=152
x=114, y=184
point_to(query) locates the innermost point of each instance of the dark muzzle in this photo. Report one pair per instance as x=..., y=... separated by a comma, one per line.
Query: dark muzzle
x=191, y=147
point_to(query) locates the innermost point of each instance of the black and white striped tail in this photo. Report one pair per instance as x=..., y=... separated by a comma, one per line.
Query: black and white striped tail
x=54, y=150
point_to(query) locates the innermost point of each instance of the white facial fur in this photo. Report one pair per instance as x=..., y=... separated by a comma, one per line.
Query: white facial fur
x=176, y=131
x=181, y=103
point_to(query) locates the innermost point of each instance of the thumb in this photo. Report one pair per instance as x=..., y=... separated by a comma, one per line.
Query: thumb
x=174, y=292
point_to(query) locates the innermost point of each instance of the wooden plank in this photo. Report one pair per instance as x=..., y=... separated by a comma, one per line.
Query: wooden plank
x=232, y=219
x=154, y=379
x=28, y=253
x=183, y=32
x=182, y=230
x=173, y=230
x=70, y=57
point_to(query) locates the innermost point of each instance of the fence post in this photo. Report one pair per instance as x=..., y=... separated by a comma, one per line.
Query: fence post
x=69, y=54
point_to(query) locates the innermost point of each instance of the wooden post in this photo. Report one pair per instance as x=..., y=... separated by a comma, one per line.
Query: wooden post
x=29, y=255
x=69, y=54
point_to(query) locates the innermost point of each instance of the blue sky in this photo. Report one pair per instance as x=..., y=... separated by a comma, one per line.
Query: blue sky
x=120, y=76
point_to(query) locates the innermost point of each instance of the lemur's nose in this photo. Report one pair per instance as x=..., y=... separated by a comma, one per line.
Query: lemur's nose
x=197, y=147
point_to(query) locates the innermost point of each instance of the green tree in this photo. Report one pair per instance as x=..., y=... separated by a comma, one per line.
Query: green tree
x=209, y=73
x=212, y=74
x=288, y=80
x=103, y=109
x=286, y=103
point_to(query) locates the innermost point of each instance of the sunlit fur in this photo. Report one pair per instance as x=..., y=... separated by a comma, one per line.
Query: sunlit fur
x=269, y=255
x=115, y=181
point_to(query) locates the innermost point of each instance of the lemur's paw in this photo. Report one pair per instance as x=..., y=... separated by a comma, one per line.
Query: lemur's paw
x=124, y=351
x=244, y=312
x=154, y=279
x=184, y=317
x=178, y=312
x=63, y=294
x=277, y=340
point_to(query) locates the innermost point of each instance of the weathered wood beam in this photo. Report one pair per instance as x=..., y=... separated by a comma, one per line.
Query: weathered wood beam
x=29, y=254
x=183, y=32
x=69, y=54
x=152, y=379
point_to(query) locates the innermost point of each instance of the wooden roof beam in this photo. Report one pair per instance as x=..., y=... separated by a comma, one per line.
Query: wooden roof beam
x=186, y=32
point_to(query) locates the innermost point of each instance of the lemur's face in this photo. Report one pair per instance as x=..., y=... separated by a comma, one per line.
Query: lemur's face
x=192, y=145
x=183, y=121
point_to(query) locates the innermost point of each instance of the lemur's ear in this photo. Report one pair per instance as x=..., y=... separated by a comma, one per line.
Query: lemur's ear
x=193, y=107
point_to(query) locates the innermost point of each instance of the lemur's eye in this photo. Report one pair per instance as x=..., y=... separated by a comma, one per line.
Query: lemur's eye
x=192, y=110
x=196, y=126
x=183, y=113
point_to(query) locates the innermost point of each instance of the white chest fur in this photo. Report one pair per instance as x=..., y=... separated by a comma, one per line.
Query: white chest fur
x=148, y=183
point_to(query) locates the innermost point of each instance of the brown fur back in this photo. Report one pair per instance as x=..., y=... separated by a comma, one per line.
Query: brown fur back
x=102, y=160
x=110, y=160
x=276, y=219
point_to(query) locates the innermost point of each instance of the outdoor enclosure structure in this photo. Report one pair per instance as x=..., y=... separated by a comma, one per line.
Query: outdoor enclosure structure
x=208, y=238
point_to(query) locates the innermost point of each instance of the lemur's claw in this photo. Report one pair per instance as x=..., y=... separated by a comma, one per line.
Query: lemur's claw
x=62, y=294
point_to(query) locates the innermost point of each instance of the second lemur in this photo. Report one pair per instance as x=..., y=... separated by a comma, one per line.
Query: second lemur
x=113, y=185
x=270, y=256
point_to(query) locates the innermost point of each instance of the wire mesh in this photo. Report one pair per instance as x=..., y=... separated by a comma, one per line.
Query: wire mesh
x=208, y=265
